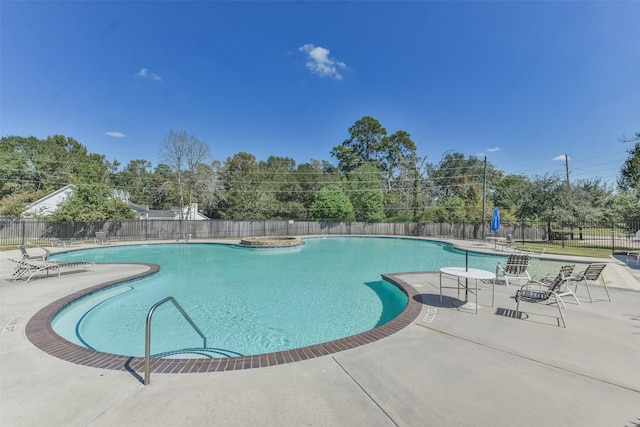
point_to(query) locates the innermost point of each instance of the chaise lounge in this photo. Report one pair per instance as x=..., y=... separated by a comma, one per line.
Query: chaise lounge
x=31, y=264
x=29, y=268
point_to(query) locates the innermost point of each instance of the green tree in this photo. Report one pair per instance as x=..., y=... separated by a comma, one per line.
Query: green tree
x=626, y=206
x=393, y=155
x=545, y=199
x=463, y=177
x=365, y=144
x=17, y=172
x=630, y=172
x=30, y=164
x=164, y=193
x=92, y=203
x=409, y=194
x=507, y=195
x=137, y=179
x=365, y=193
x=332, y=204
x=311, y=177
x=259, y=190
x=31, y=168
x=450, y=210
x=590, y=201
x=13, y=204
x=184, y=153
x=204, y=184
x=239, y=195
x=277, y=174
x=398, y=155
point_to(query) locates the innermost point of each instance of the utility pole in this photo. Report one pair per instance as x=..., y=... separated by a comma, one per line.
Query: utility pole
x=484, y=193
x=566, y=165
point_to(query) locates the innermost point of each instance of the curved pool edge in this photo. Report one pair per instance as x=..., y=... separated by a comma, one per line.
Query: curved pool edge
x=41, y=334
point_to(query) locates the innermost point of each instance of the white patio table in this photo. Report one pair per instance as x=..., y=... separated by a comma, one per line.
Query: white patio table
x=469, y=273
x=496, y=240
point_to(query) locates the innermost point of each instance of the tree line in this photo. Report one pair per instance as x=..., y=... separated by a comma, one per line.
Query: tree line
x=375, y=177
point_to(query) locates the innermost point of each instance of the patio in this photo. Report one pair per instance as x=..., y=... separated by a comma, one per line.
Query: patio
x=449, y=367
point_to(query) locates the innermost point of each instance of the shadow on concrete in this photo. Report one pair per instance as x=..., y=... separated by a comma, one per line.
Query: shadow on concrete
x=128, y=368
x=434, y=300
x=543, y=319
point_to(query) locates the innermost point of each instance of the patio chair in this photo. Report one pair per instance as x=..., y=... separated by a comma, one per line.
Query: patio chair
x=27, y=256
x=592, y=273
x=633, y=256
x=58, y=241
x=515, y=266
x=536, y=291
x=510, y=243
x=563, y=290
x=102, y=239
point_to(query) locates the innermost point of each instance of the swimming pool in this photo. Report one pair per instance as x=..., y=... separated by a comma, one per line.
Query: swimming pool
x=253, y=301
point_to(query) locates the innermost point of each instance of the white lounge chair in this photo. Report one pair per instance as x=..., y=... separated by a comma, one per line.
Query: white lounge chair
x=29, y=268
x=32, y=257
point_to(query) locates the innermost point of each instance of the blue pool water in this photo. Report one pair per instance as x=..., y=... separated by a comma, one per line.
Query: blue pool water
x=252, y=301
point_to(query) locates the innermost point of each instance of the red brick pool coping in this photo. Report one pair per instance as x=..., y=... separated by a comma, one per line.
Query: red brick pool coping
x=40, y=332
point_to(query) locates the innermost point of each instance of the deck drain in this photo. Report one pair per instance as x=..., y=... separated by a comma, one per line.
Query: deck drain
x=431, y=314
x=12, y=325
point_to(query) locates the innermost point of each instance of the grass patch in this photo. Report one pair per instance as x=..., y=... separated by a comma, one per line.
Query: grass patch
x=593, y=252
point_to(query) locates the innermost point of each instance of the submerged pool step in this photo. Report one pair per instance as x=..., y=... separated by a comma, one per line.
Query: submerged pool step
x=68, y=322
x=197, y=353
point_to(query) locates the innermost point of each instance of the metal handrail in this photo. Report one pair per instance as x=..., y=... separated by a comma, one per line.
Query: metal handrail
x=147, y=347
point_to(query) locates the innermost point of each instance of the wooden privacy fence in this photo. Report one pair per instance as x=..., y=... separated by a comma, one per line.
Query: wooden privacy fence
x=13, y=232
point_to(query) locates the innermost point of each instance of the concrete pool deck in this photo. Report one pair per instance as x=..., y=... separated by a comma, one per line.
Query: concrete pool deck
x=449, y=367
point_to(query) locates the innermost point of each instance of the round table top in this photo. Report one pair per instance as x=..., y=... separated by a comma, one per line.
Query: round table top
x=471, y=273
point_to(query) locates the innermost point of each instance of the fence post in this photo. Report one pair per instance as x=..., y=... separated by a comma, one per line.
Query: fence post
x=613, y=236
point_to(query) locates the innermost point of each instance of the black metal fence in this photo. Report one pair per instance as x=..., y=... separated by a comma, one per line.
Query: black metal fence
x=612, y=236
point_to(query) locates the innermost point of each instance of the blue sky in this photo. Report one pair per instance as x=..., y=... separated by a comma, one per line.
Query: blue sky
x=519, y=82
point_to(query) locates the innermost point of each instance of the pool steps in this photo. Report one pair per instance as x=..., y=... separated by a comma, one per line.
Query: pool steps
x=77, y=312
x=196, y=353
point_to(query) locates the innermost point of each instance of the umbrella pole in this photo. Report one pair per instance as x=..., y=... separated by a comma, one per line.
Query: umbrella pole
x=466, y=279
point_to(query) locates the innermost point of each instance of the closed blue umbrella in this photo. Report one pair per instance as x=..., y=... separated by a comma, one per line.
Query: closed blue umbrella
x=495, y=221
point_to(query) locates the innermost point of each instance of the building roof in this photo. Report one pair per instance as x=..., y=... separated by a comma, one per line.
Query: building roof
x=49, y=203
x=138, y=208
x=160, y=214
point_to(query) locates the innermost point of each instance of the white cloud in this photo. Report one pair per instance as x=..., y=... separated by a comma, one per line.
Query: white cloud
x=115, y=134
x=493, y=150
x=145, y=73
x=320, y=63
x=562, y=157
